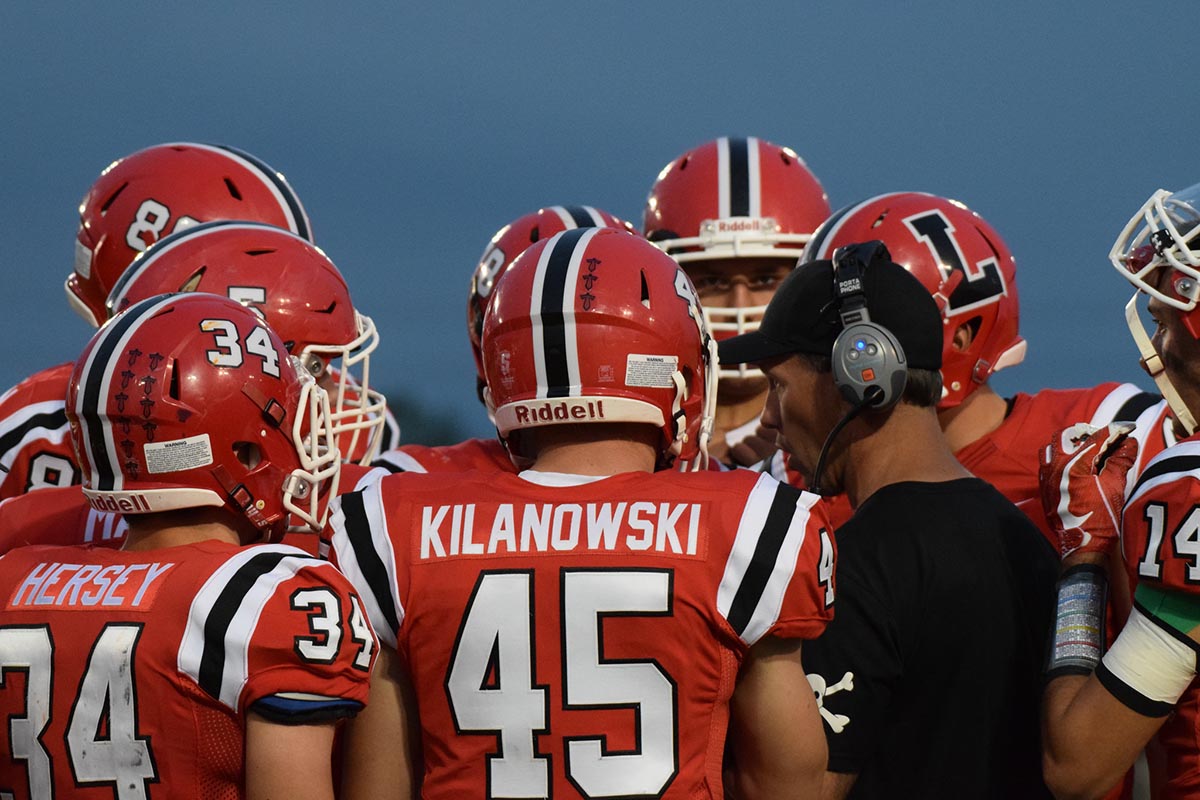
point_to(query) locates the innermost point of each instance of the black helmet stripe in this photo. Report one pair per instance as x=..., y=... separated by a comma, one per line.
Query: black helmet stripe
x=552, y=311
x=165, y=245
x=816, y=247
x=91, y=404
x=294, y=208
x=739, y=177
x=583, y=216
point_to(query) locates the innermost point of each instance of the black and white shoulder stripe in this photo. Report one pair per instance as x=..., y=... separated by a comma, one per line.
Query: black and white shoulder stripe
x=1172, y=464
x=364, y=554
x=763, y=558
x=215, y=651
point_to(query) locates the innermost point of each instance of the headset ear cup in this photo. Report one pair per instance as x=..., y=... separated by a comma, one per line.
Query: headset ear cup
x=867, y=355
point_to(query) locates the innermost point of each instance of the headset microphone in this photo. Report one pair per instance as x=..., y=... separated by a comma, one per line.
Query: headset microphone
x=872, y=395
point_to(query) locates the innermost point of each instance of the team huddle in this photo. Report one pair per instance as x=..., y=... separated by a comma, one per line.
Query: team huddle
x=754, y=523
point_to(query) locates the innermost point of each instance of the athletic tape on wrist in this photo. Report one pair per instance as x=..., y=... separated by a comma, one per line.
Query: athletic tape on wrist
x=1078, y=640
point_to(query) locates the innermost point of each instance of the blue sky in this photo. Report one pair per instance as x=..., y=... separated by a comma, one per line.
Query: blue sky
x=413, y=132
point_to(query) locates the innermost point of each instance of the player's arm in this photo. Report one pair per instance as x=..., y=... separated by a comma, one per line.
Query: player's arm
x=778, y=743
x=288, y=762
x=371, y=768
x=1094, y=725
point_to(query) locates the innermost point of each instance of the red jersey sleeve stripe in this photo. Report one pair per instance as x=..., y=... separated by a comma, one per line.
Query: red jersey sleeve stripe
x=363, y=552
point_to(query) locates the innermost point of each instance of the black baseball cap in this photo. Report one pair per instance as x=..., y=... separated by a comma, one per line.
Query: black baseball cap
x=803, y=316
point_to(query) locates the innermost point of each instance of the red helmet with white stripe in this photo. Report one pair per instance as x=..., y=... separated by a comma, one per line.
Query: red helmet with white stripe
x=597, y=325
x=145, y=196
x=190, y=400
x=734, y=198
x=960, y=259
x=299, y=292
x=508, y=243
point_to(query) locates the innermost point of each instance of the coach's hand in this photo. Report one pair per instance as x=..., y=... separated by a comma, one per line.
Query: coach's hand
x=1082, y=476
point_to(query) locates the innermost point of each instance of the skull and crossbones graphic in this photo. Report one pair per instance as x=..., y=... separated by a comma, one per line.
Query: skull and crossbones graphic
x=821, y=689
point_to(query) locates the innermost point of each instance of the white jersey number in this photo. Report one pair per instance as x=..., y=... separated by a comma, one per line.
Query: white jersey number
x=106, y=701
x=493, y=689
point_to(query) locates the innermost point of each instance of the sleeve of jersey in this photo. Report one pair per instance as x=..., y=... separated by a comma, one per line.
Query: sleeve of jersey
x=361, y=547
x=854, y=671
x=280, y=633
x=778, y=576
x=1160, y=531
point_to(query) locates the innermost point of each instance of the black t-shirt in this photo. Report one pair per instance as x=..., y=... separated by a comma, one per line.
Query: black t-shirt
x=945, y=594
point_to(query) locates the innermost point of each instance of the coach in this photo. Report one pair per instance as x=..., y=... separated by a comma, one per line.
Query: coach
x=929, y=676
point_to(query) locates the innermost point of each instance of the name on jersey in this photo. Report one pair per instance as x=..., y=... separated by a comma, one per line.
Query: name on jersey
x=59, y=585
x=464, y=530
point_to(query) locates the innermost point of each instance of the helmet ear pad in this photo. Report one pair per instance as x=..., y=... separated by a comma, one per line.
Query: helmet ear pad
x=867, y=358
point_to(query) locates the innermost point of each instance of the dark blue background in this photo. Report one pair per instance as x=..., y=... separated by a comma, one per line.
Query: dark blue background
x=412, y=132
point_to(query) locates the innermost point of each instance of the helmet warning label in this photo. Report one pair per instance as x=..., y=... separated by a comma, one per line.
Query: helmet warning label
x=650, y=371
x=178, y=455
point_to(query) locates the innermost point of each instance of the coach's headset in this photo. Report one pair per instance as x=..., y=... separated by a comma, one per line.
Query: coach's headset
x=868, y=362
x=869, y=368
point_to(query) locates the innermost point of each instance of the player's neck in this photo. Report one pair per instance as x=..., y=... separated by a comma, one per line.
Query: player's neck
x=731, y=414
x=595, y=458
x=908, y=447
x=982, y=412
x=174, y=529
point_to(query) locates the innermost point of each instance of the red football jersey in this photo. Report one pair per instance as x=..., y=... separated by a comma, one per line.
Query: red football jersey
x=35, y=441
x=130, y=673
x=1160, y=541
x=486, y=455
x=1008, y=457
x=571, y=635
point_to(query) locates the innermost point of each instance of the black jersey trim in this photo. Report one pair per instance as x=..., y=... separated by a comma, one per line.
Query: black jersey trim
x=388, y=465
x=766, y=554
x=1134, y=406
x=226, y=607
x=358, y=531
x=1129, y=697
x=554, y=331
x=1166, y=467
x=50, y=421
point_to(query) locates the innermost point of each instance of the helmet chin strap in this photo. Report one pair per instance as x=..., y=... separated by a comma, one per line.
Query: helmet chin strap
x=1154, y=365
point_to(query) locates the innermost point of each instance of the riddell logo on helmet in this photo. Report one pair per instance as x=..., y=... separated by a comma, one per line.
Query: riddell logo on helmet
x=127, y=503
x=741, y=224
x=560, y=411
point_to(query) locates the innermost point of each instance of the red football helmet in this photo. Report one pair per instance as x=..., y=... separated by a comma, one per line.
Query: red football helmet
x=734, y=198
x=191, y=400
x=1163, y=235
x=141, y=198
x=508, y=243
x=299, y=292
x=597, y=325
x=961, y=261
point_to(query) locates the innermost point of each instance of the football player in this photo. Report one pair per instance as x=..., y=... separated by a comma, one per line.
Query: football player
x=1101, y=711
x=962, y=261
x=508, y=243
x=736, y=213
x=198, y=661
x=589, y=626
x=300, y=294
x=136, y=201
